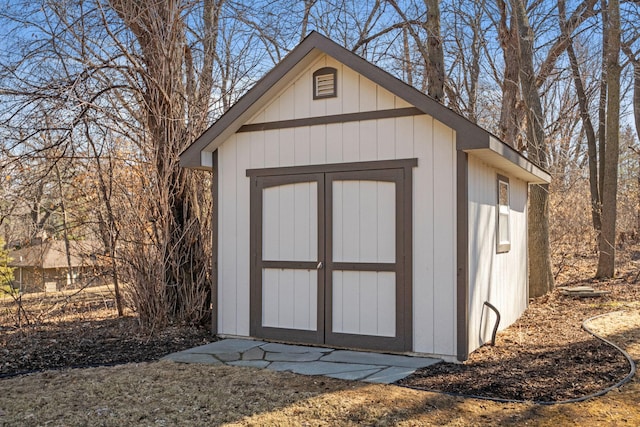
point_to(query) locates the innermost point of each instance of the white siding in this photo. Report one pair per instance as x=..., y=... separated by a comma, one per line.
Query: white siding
x=356, y=93
x=394, y=138
x=500, y=279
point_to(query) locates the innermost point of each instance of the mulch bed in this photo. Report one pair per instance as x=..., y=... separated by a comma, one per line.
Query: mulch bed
x=545, y=356
x=88, y=343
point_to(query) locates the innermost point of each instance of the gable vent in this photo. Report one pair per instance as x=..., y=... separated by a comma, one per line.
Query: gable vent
x=324, y=83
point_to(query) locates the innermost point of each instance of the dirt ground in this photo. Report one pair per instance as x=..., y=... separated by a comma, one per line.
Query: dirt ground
x=60, y=331
x=165, y=393
x=544, y=356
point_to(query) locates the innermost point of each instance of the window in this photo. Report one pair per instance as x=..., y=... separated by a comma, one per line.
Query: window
x=502, y=230
x=324, y=83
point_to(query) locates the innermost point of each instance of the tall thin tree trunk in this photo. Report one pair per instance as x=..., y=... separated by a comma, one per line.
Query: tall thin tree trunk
x=607, y=240
x=435, y=65
x=636, y=114
x=540, y=275
x=408, y=68
x=508, y=35
x=308, y=4
x=592, y=142
x=65, y=228
x=602, y=105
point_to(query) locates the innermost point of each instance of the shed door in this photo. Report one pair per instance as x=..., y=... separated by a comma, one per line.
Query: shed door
x=328, y=262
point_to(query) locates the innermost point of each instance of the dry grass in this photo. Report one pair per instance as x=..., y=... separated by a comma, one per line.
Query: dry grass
x=165, y=393
x=91, y=303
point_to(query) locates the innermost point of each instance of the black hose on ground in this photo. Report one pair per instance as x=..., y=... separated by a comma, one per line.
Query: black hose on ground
x=626, y=379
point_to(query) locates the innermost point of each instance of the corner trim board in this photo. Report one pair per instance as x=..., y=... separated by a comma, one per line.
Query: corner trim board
x=214, y=247
x=462, y=256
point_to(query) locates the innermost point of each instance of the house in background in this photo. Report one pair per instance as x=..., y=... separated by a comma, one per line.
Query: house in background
x=45, y=267
x=352, y=210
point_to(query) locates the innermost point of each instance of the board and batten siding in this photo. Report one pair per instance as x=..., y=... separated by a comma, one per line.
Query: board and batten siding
x=499, y=278
x=434, y=185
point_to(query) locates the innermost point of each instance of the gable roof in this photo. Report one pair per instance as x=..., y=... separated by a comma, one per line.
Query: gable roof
x=470, y=137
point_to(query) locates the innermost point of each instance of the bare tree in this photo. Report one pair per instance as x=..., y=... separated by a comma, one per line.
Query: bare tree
x=611, y=52
x=510, y=115
x=433, y=53
x=587, y=124
x=145, y=72
x=540, y=275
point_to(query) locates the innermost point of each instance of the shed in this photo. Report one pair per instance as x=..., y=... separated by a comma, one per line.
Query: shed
x=352, y=210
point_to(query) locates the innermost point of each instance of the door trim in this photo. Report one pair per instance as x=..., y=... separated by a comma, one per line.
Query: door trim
x=402, y=341
x=258, y=184
x=267, y=177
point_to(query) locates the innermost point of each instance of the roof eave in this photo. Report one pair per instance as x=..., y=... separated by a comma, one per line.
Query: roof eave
x=504, y=157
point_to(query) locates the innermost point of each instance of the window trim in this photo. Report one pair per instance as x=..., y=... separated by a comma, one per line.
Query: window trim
x=322, y=72
x=503, y=245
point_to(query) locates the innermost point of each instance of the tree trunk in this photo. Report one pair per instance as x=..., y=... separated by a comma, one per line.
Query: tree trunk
x=180, y=278
x=435, y=63
x=509, y=119
x=607, y=238
x=592, y=142
x=540, y=275
x=636, y=115
x=433, y=53
x=408, y=67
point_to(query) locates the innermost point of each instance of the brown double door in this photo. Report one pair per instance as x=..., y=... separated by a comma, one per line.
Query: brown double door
x=328, y=258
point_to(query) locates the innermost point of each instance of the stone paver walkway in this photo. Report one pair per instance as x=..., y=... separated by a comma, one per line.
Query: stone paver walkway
x=342, y=364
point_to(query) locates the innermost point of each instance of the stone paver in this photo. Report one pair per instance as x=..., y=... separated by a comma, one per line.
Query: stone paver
x=255, y=353
x=390, y=375
x=227, y=357
x=354, y=375
x=288, y=348
x=318, y=368
x=185, y=357
x=305, y=360
x=226, y=346
x=292, y=357
x=347, y=356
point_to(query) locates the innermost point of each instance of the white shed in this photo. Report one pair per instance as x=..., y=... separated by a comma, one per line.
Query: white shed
x=352, y=210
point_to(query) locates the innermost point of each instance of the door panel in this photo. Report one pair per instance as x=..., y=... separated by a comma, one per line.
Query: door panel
x=364, y=303
x=290, y=298
x=364, y=250
x=290, y=222
x=286, y=285
x=364, y=221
